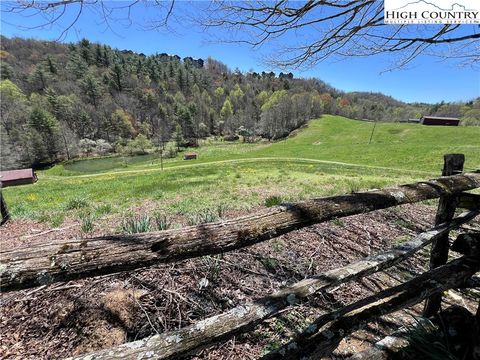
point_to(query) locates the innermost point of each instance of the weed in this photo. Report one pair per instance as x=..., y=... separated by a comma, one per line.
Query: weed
x=271, y=346
x=202, y=217
x=338, y=222
x=353, y=186
x=103, y=209
x=75, y=203
x=221, y=209
x=22, y=210
x=426, y=341
x=158, y=195
x=278, y=244
x=87, y=222
x=161, y=221
x=136, y=224
x=404, y=224
x=270, y=264
x=273, y=200
x=56, y=219
x=213, y=264
x=401, y=239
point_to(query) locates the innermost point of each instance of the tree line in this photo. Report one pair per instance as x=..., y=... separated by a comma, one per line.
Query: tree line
x=62, y=101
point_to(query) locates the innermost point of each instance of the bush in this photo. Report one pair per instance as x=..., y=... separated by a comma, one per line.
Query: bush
x=231, y=137
x=139, y=145
x=87, y=146
x=102, y=147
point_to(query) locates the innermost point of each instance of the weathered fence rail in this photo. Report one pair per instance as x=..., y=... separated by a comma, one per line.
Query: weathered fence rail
x=174, y=344
x=73, y=259
x=67, y=260
x=320, y=340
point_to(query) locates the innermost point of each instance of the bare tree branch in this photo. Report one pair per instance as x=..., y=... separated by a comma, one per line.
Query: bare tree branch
x=323, y=28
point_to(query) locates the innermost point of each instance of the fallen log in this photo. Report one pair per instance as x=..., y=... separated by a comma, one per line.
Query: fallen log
x=72, y=259
x=176, y=344
x=325, y=333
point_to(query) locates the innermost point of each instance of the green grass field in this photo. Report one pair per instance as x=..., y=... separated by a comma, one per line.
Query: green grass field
x=330, y=156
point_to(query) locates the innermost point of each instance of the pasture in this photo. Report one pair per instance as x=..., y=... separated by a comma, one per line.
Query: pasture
x=330, y=156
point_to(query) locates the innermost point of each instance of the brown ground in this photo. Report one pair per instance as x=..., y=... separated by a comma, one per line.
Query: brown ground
x=81, y=316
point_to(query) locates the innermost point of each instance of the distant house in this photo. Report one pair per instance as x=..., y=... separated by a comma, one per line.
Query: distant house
x=17, y=177
x=190, y=156
x=437, y=120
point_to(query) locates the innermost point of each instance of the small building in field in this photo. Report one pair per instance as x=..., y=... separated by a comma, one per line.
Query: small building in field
x=190, y=156
x=17, y=177
x=440, y=121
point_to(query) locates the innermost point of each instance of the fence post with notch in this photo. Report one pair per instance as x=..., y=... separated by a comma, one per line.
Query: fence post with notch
x=453, y=164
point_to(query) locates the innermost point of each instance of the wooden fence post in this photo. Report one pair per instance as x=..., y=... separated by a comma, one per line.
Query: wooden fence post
x=453, y=164
x=3, y=208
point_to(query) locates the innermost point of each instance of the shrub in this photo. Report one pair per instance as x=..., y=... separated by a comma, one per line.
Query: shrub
x=102, y=147
x=139, y=146
x=231, y=137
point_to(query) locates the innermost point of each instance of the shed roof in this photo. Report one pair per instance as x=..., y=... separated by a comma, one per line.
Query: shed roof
x=10, y=175
x=439, y=117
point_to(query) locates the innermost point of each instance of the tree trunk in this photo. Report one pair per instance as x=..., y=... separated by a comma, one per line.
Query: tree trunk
x=71, y=259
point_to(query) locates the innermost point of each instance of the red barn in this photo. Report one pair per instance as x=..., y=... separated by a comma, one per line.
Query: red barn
x=190, y=156
x=17, y=177
x=438, y=120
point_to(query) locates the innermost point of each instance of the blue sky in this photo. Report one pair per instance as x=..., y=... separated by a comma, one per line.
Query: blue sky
x=426, y=80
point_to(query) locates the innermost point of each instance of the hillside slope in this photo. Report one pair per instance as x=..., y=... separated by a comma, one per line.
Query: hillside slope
x=331, y=138
x=67, y=101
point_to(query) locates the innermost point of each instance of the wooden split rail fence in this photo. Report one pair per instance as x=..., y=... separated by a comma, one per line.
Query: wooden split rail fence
x=73, y=259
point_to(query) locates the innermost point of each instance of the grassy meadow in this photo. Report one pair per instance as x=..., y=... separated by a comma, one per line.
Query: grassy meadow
x=330, y=156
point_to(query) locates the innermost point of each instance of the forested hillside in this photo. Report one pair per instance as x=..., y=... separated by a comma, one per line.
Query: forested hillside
x=62, y=101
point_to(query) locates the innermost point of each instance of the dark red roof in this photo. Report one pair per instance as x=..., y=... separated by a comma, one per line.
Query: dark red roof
x=11, y=175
